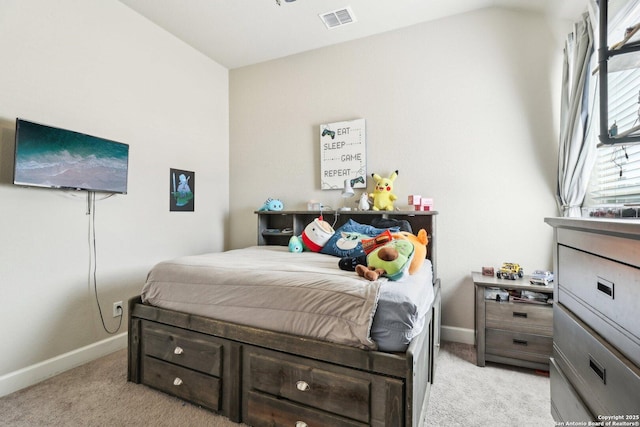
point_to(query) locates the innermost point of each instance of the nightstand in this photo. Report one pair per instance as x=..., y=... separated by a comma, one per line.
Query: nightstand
x=510, y=331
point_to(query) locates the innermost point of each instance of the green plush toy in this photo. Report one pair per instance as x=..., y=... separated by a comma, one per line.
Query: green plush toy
x=392, y=260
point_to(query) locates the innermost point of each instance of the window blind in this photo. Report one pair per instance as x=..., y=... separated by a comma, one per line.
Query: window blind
x=615, y=178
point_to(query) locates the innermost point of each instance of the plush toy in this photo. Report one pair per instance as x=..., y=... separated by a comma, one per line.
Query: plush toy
x=295, y=244
x=370, y=273
x=351, y=263
x=314, y=236
x=368, y=245
x=272, y=205
x=392, y=260
x=348, y=240
x=383, y=197
x=363, y=204
x=419, y=242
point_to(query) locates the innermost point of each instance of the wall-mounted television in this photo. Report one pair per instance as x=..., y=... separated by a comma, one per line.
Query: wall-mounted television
x=51, y=157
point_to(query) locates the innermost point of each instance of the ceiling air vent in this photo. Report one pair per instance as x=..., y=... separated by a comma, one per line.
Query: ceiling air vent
x=338, y=17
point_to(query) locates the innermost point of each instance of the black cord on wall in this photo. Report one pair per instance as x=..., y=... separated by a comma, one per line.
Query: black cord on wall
x=93, y=257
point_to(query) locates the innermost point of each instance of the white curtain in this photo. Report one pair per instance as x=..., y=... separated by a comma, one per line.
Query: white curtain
x=577, y=151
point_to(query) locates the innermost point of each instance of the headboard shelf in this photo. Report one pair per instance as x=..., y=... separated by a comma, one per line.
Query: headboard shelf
x=277, y=227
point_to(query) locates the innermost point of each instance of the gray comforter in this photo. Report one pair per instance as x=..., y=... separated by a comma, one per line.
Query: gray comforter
x=269, y=287
x=302, y=294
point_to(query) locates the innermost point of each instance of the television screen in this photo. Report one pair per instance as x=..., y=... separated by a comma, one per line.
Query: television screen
x=51, y=157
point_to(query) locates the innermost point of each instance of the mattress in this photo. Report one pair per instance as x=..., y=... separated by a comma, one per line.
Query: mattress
x=297, y=293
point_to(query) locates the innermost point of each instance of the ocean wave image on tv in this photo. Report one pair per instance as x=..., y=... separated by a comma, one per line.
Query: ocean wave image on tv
x=59, y=158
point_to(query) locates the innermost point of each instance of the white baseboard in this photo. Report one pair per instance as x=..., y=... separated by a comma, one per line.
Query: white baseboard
x=455, y=334
x=34, y=374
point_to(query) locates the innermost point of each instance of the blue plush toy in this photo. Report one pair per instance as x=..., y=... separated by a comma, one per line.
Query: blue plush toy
x=272, y=205
x=295, y=244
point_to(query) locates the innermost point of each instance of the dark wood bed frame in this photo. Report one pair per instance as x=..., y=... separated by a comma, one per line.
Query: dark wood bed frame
x=265, y=378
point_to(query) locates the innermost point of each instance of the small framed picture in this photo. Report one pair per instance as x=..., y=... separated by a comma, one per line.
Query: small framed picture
x=182, y=190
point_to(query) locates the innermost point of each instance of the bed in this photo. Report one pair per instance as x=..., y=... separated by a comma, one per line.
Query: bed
x=220, y=331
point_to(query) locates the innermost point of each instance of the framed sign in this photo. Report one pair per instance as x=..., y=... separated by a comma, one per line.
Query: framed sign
x=182, y=188
x=343, y=154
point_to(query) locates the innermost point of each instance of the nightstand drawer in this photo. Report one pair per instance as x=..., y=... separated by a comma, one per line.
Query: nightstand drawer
x=338, y=394
x=182, y=347
x=607, y=381
x=534, y=348
x=268, y=411
x=609, y=288
x=184, y=383
x=520, y=317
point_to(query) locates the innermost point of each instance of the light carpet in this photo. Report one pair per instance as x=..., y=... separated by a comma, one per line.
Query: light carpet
x=98, y=394
x=464, y=394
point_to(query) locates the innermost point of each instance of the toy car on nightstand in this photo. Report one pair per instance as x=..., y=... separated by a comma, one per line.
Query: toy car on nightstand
x=541, y=277
x=510, y=270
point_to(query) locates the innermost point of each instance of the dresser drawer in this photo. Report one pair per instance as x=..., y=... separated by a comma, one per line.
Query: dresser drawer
x=624, y=249
x=182, y=347
x=608, y=382
x=610, y=288
x=338, y=394
x=534, y=348
x=184, y=383
x=520, y=317
x=621, y=339
x=566, y=404
x=268, y=411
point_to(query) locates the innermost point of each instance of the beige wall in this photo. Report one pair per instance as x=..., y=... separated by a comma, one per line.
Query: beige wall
x=99, y=68
x=465, y=108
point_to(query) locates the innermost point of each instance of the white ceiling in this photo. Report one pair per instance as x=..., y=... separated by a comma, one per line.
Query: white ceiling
x=237, y=33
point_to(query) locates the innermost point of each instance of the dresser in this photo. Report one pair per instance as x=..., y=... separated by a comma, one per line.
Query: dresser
x=514, y=333
x=595, y=364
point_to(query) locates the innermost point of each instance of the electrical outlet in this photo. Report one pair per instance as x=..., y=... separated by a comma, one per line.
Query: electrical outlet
x=117, y=309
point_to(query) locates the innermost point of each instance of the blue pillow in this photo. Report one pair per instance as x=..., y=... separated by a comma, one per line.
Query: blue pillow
x=347, y=240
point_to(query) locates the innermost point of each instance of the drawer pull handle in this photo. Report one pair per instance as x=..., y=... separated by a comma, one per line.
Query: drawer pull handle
x=302, y=386
x=520, y=342
x=177, y=381
x=598, y=369
x=605, y=287
x=178, y=350
x=519, y=314
x=301, y=424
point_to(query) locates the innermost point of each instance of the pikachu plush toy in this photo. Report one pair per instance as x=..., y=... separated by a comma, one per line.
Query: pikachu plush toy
x=383, y=197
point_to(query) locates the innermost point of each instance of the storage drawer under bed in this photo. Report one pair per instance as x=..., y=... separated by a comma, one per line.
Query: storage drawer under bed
x=267, y=411
x=320, y=390
x=181, y=347
x=184, y=383
x=183, y=363
x=314, y=387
